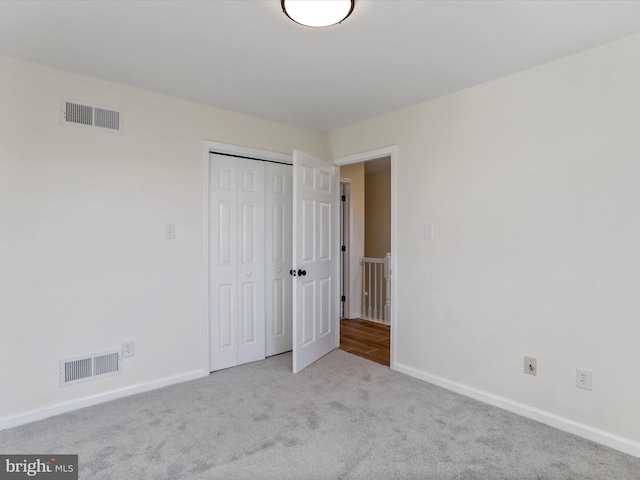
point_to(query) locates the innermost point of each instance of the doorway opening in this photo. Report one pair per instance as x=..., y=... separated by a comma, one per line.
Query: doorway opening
x=366, y=233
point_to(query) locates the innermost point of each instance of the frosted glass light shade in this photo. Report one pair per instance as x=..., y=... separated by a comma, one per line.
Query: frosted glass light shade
x=317, y=13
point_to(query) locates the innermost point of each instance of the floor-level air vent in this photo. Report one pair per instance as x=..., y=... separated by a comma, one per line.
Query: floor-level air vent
x=89, y=367
x=82, y=114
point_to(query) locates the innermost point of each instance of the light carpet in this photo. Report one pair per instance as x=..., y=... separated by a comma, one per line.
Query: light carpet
x=342, y=418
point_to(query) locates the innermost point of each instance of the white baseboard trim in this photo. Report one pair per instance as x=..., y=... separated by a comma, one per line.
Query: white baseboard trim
x=602, y=437
x=58, y=409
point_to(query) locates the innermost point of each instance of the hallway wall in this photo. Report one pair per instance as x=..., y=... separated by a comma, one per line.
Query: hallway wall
x=377, y=217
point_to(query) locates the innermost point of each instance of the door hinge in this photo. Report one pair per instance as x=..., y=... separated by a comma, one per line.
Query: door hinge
x=344, y=248
x=344, y=198
x=344, y=299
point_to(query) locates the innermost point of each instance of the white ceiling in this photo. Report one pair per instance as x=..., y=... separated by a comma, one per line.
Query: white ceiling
x=248, y=57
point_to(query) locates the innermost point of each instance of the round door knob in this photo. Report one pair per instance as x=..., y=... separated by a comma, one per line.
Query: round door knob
x=292, y=273
x=301, y=273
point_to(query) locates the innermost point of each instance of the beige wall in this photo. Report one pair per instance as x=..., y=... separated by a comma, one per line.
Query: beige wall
x=377, y=218
x=532, y=183
x=355, y=173
x=83, y=262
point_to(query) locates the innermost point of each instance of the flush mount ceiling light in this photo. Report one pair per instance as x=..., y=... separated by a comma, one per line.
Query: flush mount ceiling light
x=317, y=13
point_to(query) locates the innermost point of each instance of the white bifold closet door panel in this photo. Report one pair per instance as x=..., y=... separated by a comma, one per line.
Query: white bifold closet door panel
x=237, y=261
x=279, y=189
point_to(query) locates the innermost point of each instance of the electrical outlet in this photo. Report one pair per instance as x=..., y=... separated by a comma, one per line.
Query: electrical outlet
x=127, y=349
x=584, y=379
x=531, y=366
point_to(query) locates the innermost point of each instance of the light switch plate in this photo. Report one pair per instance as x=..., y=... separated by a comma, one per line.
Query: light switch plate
x=169, y=231
x=428, y=231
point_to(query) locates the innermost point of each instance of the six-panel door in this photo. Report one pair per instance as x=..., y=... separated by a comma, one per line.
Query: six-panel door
x=237, y=261
x=279, y=184
x=315, y=288
x=249, y=260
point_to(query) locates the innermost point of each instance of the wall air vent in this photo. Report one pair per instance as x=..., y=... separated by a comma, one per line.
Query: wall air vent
x=89, y=367
x=97, y=117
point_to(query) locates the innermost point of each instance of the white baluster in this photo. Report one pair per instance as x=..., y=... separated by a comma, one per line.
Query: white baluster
x=376, y=288
x=387, y=276
x=369, y=292
x=375, y=291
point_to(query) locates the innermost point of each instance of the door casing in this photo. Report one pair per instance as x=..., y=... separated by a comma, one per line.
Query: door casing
x=392, y=152
x=345, y=238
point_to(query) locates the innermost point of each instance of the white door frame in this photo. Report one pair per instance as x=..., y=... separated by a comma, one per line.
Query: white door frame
x=228, y=149
x=390, y=151
x=346, y=238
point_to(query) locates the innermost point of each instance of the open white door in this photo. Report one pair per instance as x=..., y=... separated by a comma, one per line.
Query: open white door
x=316, y=188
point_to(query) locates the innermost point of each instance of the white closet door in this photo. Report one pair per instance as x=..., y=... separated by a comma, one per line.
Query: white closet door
x=279, y=184
x=251, y=260
x=236, y=256
x=223, y=261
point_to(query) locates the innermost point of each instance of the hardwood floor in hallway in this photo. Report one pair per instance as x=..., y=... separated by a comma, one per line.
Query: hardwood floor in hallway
x=366, y=339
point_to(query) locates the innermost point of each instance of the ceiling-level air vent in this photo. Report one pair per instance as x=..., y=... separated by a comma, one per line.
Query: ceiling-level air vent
x=97, y=117
x=89, y=367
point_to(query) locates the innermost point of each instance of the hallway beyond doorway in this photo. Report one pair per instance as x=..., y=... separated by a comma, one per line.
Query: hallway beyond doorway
x=366, y=339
